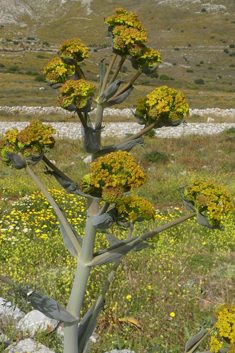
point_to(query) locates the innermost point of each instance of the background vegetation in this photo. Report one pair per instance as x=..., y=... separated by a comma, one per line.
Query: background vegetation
x=170, y=288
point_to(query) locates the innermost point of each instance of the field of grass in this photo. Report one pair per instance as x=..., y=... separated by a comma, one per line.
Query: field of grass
x=171, y=288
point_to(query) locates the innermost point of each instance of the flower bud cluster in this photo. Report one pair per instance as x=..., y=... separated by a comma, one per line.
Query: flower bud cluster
x=74, y=49
x=225, y=328
x=57, y=71
x=163, y=103
x=75, y=92
x=134, y=207
x=32, y=140
x=210, y=199
x=112, y=175
x=129, y=36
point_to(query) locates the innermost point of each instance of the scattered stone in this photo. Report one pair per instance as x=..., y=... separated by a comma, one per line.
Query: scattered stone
x=41, y=88
x=210, y=120
x=35, y=320
x=29, y=346
x=87, y=160
x=9, y=311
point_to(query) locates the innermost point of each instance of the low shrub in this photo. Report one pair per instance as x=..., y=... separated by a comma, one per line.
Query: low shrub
x=199, y=81
x=156, y=157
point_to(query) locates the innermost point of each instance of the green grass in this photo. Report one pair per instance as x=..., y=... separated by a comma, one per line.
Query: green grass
x=187, y=272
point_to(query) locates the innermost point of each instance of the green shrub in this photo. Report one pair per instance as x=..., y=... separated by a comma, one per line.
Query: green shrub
x=2, y=65
x=226, y=51
x=12, y=69
x=40, y=78
x=203, y=9
x=189, y=70
x=156, y=157
x=40, y=56
x=166, y=77
x=210, y=68
x=231, y=46
x=199, y=81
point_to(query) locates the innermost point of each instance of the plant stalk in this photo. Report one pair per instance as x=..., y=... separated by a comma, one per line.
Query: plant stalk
x=117, y=70
x=126, y=85
x=57, y=210
x=58, y=171
x=79, y=71
x=80, y=282
x=107, y=74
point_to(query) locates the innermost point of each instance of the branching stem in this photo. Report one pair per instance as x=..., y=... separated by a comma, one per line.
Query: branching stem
x=117, y=70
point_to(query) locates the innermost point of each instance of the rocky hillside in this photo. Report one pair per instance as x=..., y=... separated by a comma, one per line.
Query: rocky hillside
x=61, y=18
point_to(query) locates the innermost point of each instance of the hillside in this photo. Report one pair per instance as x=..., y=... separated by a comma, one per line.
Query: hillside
x=195, y=37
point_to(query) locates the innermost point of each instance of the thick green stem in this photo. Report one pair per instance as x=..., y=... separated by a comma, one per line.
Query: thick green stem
x=117, y=70
x=80, y=282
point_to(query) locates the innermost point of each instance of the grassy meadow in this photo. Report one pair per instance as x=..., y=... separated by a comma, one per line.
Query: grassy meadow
x=170, y=288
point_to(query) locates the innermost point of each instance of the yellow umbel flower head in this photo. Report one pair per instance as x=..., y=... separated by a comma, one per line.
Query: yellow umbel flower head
x=31, y=140
x=134, y=208
x=75, y=92
x=210, y=199
x=114, y=174
x=162, y=104
x=74, y=49
x=57, y=71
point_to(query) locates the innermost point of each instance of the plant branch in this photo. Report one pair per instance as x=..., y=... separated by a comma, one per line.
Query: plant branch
x=57, y=170
x=140, y=133
x=79, y=71
x=126, y=85
x=107, y=74
x=7, y=280
x=104, y=208
x=56, y=208
x=117, y=70
x=82, y=119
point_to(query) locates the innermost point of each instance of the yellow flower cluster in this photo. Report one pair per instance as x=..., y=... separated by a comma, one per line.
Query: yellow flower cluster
x=163, y=103
x=126, y=36
x=112, y=175
x=76, y=92
x=32, y=140
x=210, y=199
x=73, y=48
x=149, y=57
x=225, y=326
x=134, y=207
x=128, y=32
x=57, y=71
x=122, y=17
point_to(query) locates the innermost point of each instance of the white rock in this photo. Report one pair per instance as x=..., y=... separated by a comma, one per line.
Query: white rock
x=87, y=160
x=35, y=320
x=3, y=338
x=210, y=120
x=29, y=346
x=9, y=311
x=41, y=88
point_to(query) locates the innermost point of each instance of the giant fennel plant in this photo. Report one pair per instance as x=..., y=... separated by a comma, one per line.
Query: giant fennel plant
x=114, y=172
